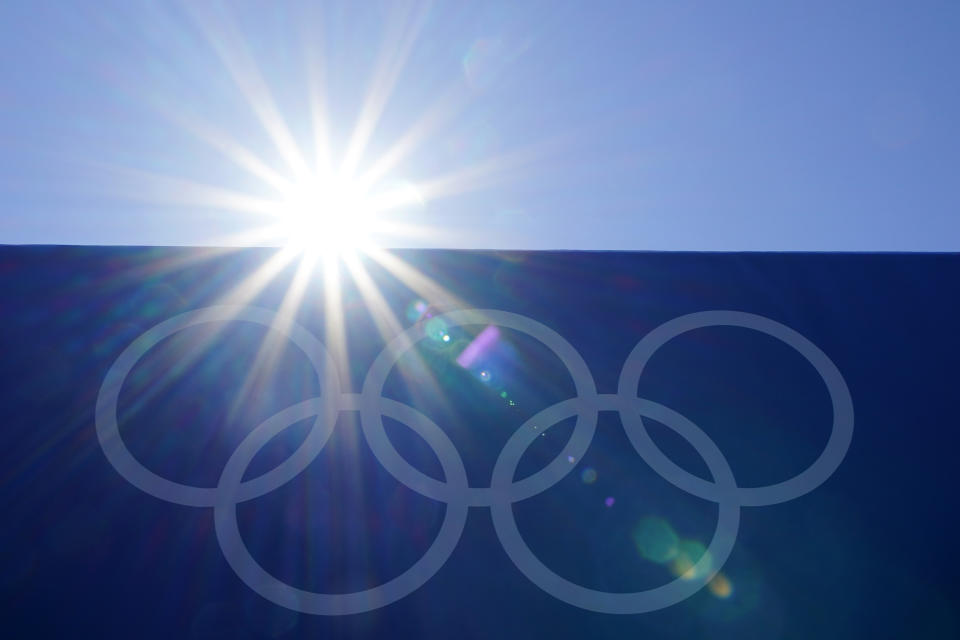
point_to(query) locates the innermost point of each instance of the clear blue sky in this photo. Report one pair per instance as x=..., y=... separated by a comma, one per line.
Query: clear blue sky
x=594, y=125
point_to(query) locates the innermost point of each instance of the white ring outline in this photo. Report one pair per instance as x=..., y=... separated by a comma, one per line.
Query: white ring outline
x=257, y=578
x=806, y=481
x=409, y=475
x=108, y=431
x=677, y=590
x=503, y=492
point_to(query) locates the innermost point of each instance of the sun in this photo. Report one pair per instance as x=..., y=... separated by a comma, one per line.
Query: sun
x=336, y=215
x=329, y=214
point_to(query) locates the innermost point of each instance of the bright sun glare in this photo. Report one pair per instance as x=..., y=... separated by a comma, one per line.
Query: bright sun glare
x=327, y=215
x=326, y=204
x=324, y=198
x=329, y=205
x=335, y=214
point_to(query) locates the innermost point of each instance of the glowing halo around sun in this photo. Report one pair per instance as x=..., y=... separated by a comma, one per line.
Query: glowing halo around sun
x=320, y=186
x=328, y=203
x=335, y=215
x=326, y=215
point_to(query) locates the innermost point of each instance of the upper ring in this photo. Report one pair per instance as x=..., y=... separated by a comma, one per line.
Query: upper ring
x=809, y=479
x=108, y=431
x=372, y=421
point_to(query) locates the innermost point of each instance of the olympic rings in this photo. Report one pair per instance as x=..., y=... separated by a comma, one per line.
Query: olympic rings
x=603, y=601
x=806, y=481
x=108, y=431
x=278, y=592
x=454, y=489
x=399, y=468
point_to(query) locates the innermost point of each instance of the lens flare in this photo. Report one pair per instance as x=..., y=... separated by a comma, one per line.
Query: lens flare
x=415, y=310
x=436, y=330
x=721, y=586
x=656, y=540
x=482, y=343
x=692, y=560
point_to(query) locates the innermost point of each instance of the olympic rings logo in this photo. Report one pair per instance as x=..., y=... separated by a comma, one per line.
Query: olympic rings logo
x=455, y=491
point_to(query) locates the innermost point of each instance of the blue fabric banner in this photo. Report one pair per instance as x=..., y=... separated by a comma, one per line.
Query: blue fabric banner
x=425, y=443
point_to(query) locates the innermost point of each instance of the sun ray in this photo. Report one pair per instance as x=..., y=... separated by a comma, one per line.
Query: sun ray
x=392, y=231
x=247, y=289
x=316, y=96
x=228, y=42
x=335, y=332
x=228, y=147
x=419, y=282
x=497, y=169
x=435, y=117
x=262, y=236
x=201, y=129
x=271, y=347
x=153, y=188
x=424, y=383
x=480, y=175
x=239, y=296
x=386, y=321
x=394, y=53
x=168, y=264
x=395, y=197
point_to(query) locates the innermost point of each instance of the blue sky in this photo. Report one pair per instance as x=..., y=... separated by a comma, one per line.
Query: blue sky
x=633, y=125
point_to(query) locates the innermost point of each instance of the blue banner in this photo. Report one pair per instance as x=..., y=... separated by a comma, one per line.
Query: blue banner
x=425, y=443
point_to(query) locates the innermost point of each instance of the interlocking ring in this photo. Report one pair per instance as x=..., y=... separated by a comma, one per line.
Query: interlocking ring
x=454, y=491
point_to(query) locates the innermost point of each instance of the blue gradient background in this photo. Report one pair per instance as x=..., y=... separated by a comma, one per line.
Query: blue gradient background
x=798, y=125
